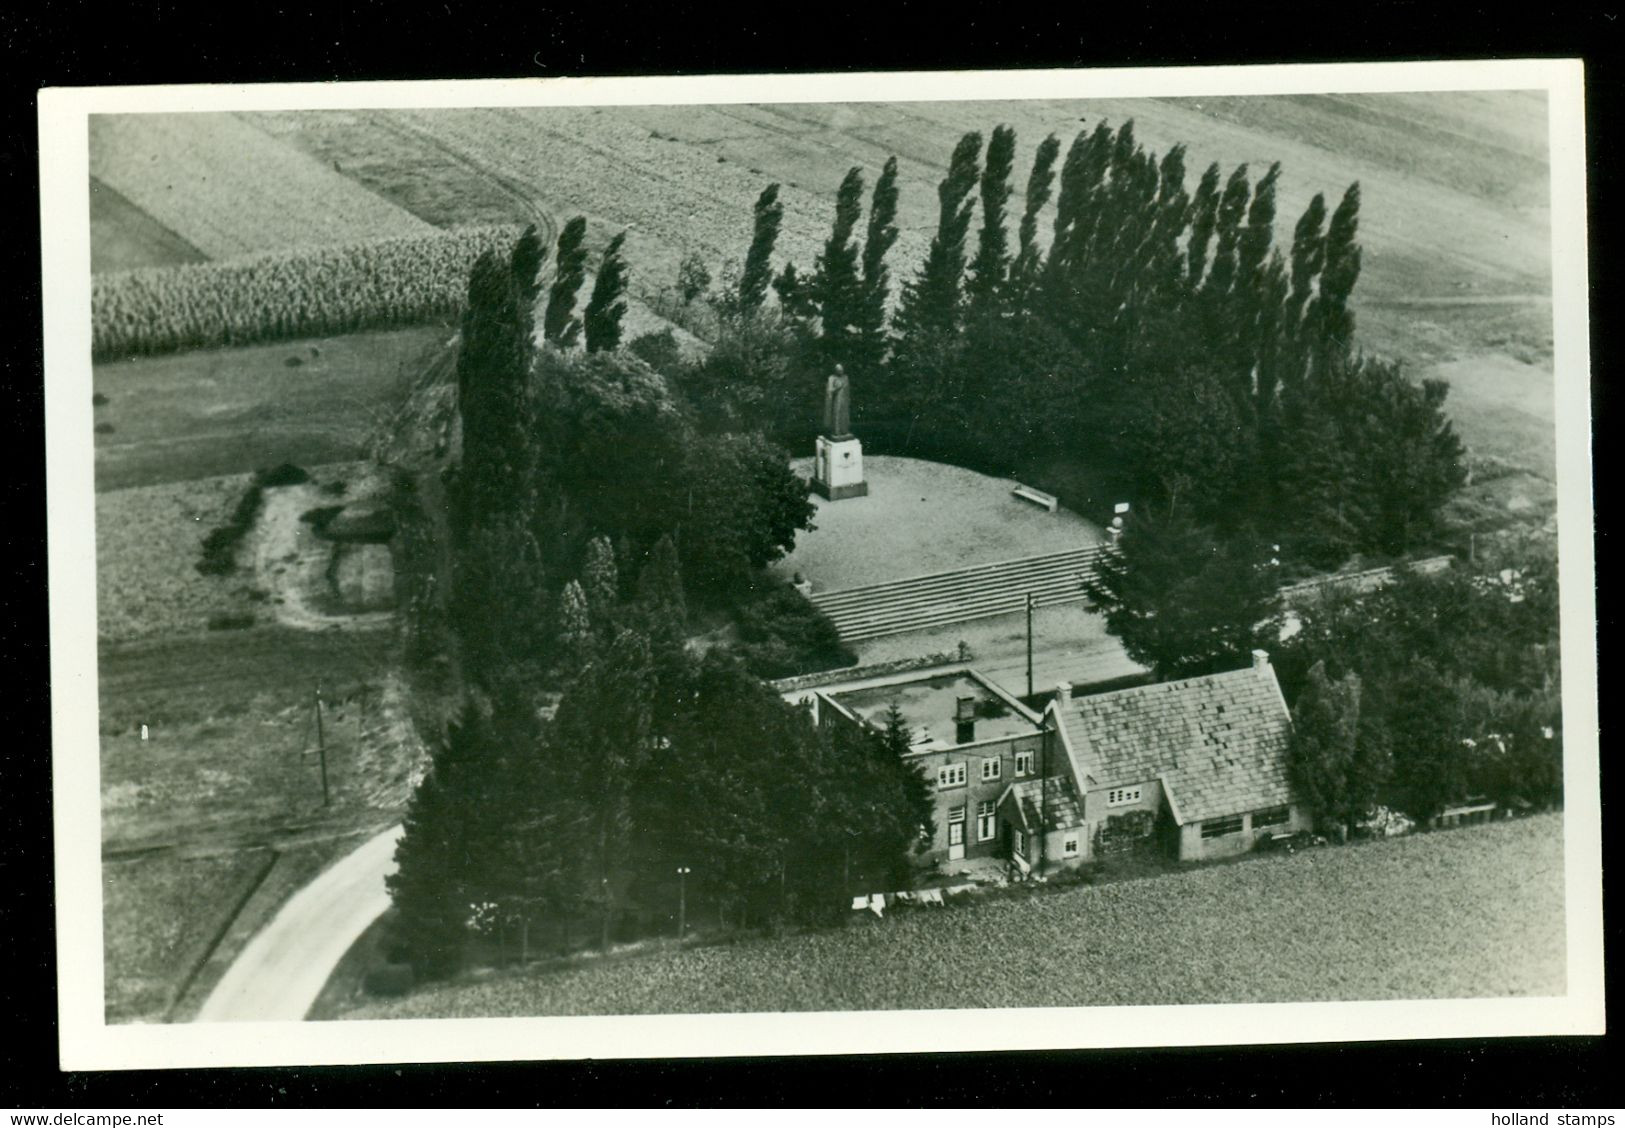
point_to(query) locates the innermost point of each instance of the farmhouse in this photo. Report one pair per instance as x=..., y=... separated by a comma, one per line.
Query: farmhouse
x=1200, y=762
x=1196, y=768
x=971, y=739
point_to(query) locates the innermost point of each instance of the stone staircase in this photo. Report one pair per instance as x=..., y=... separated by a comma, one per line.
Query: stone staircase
x=978, y=592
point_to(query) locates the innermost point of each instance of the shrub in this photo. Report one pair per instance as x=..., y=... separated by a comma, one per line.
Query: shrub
x=318, y=517
x=231, y=622
x=220, y=546
x=305, y=292
x=783, y=635
x=104, y=428
x=389, y=981
x=286, y=474
x=98, y=400
x=658, y=350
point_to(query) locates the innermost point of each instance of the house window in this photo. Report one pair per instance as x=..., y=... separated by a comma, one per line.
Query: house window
x=1218, y=828
x=951, y=775
x=956, y=826
x=1122, y=796
x=985, y=820
x=990, y=769
x=1024, y=763
x=1069, y=848
x=1275, y=816
x=1021, y=842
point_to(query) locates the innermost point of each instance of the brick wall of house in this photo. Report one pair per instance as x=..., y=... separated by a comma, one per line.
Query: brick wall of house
x=975, y=791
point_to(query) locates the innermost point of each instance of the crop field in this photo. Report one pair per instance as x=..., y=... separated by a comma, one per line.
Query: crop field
x=229, y=188
x=278, y=295
x=1461, y=914
x=123, y=237
x=227, y=411
x=1454, y=219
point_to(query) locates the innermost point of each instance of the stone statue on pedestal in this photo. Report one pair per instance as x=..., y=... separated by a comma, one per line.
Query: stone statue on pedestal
x=838, y=405
x=838, y=455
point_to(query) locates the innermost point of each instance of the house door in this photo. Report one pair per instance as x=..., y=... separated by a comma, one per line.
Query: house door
x=956, y=833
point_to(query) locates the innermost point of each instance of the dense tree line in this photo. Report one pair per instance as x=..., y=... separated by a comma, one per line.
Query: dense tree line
x=1159, y=341
x=553, y=832
x=562, y=445
x=1433, y=689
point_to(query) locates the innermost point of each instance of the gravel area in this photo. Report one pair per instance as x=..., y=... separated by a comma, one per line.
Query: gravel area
x=922, y=517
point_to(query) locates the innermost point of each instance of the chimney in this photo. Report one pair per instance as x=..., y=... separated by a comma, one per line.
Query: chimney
x=1063, y=693
x=1261, y=659
x=964, y=720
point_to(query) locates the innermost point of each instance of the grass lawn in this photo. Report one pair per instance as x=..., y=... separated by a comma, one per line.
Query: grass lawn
x=922, y=517
x=227, y=411
x=1476, y=912
x=154, y=935
x=231, y=740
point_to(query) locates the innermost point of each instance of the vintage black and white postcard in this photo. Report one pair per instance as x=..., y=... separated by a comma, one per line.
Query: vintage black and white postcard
x=821, y=564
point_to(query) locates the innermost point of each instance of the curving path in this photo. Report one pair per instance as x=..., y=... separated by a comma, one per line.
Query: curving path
x=283, y=969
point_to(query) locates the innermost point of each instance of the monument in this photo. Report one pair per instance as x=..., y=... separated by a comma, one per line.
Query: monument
x=838, y=455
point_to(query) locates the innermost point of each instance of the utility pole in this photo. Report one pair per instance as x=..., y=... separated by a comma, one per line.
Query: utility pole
x=321, y=744
x=682, y=901
x=1029, y=647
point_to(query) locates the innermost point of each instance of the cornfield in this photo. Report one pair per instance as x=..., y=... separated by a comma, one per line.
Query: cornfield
x=308, y=292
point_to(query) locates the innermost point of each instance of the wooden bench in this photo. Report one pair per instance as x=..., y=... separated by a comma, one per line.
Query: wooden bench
x=1037, y=497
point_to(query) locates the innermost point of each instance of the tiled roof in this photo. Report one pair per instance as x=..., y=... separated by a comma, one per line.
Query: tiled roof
x=1221, y=740
x=1064, y=807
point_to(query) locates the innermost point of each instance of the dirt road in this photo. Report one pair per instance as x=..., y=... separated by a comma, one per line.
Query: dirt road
x=283, y=969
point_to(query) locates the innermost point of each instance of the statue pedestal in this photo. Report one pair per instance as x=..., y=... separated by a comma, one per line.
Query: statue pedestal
x=838, y=468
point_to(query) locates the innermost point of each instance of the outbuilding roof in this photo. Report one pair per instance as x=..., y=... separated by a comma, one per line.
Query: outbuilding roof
x=1219, y=741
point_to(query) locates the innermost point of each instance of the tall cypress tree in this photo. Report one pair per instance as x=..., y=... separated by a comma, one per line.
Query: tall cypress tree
x=607, y=306
x=660, y=581
x=1334, y=320
x=1066, y=275
x=1308, y=257
x=1248, y=298
x=835, y=282
x=758, y=270
x=526, y=263
x=1227, y=228
x=559, y=324
x=1204, y=218
x=1040, y=182
x=605, y=719
x=435, y=864
x=990, y=267
x=493, y=397
x=930, y=310
x=574, y=631
x=875, y=289
x=600, y=581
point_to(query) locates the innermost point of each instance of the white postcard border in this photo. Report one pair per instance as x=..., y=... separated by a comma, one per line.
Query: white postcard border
x=87, y=1042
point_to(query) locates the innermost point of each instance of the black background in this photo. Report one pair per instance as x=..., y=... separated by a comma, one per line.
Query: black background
x=73, y=44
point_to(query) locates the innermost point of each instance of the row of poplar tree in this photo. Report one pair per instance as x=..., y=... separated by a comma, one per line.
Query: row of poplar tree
x=1157, y=338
